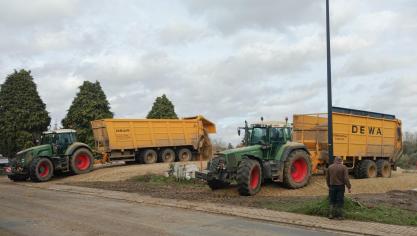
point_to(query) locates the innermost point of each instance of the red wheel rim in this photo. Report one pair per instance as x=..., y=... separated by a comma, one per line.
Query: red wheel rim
x=43, y=169
x=299, y=170
x=254, y=177
x=82, y=162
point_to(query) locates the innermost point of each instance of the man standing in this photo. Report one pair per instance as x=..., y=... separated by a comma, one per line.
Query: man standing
x=337, y=178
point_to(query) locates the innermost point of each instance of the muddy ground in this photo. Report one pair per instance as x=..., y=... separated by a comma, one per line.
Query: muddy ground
x=317, y=186
x=198, y=191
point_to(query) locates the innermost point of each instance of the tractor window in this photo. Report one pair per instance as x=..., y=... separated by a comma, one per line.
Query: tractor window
x=65, y=139
x=258, y=135
x=276, y=135
x=48, y=138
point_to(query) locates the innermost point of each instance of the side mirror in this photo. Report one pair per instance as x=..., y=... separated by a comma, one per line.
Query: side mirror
x=238, y=132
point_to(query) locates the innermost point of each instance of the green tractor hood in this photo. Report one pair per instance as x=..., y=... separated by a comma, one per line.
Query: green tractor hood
x=233, y=156
x=29, y=153
x=250, y=150
x=35, y=150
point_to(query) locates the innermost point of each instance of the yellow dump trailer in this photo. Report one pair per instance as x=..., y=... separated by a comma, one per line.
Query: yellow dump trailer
x=368, y=142
x=152, y=140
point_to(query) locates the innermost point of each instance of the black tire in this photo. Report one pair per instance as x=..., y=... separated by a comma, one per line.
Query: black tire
x=356, y=169
x=185, y=154
x=249, y=177
x=81, y=161
x=217, y=184
x=383, y=168
x=138, y=157
x=297, y=169
x=18, y=177
x=148, y=156
x=41, y=169
x=367, y=169
x=167, y=155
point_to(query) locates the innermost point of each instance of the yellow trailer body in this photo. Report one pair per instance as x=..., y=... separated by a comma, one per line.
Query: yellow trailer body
x=125, y=138
x=357, y=135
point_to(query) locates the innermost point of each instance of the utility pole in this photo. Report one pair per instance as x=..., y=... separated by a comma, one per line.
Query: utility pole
x=329, y=89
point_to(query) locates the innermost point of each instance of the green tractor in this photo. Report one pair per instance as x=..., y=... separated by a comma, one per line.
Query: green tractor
x=58, y=152
x=269, y=154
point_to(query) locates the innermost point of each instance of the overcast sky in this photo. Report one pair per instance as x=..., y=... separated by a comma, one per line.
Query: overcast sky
x=229, y=60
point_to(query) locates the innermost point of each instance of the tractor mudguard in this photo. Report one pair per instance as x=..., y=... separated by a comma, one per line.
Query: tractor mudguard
x=71, y=149
x=291, y=147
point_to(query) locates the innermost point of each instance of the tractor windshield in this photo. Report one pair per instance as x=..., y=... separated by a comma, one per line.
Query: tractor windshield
x=258, y=135
x=48, y=138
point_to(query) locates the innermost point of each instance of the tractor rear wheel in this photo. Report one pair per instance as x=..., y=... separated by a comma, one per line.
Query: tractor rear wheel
x=249, y=177
x=185, y=154
x=17, y=177
x=167, y=155
x=41, y=169
x=81, y=161
x=148, y=156
x=297, y=169
x=367, y=169
x=383, y=168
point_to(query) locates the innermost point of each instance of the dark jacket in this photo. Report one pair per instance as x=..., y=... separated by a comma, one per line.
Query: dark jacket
x=337, y=174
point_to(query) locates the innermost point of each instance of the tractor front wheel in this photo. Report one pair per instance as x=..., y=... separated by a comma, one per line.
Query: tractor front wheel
x=41, y=169
x=297, y=169
x=81, y=161
x=249, y=177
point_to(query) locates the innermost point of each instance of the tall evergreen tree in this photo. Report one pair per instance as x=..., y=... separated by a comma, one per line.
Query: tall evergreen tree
x=162, y=108
x=89, y=104
x=23, y=115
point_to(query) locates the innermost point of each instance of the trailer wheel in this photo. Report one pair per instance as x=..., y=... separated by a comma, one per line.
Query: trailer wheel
x=149, y=156
x=367, y=169
x=383, y=168
x=249, y=177
x=81, y=161
x=167, y=155
x=17, y=177
x=356, y=169
x=297, y=169
x=41, y=169
x=184, y=154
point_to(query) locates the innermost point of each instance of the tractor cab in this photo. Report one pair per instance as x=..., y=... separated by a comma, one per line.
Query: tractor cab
x=270, y=135
x=59, y=139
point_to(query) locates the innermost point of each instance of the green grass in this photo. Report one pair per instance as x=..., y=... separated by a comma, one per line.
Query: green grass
x=158, y=180
x=352, y=210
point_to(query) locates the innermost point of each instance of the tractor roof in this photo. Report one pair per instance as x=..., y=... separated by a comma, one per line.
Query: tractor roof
x=276, y=124
x=60, y=131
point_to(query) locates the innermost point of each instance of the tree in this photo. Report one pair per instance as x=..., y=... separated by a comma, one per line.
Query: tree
x=218, y=145
x=89, y=104
x=23, y=115
x=162, y=108
x=229, y=146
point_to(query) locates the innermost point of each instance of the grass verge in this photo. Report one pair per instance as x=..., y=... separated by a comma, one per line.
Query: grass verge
x=353, y=211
